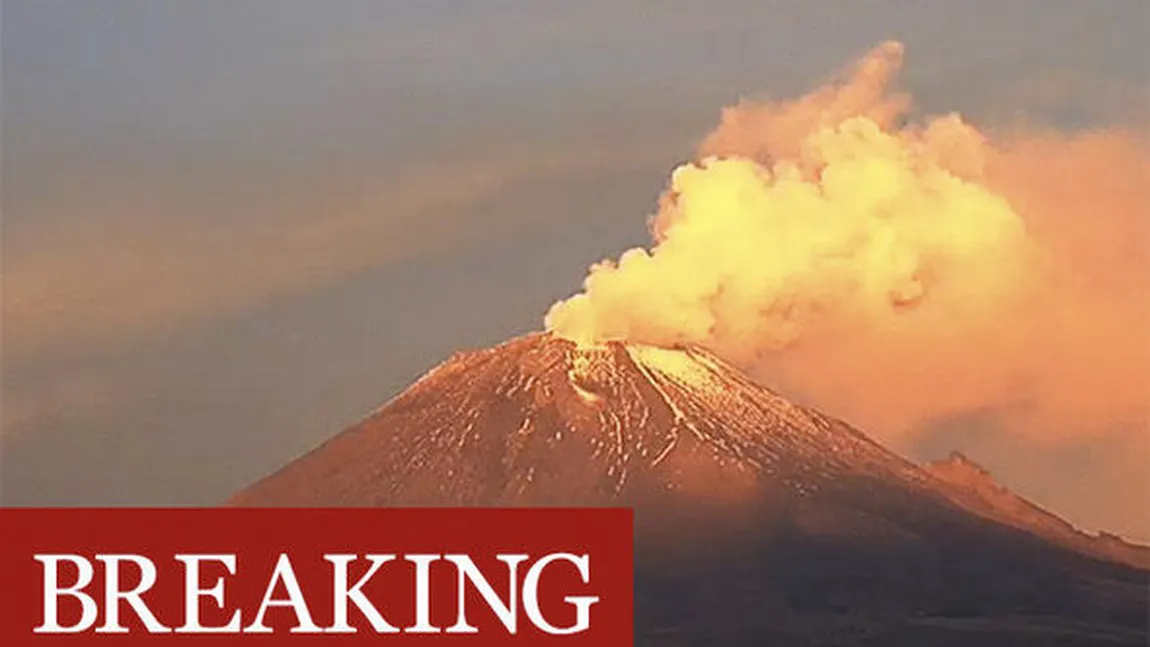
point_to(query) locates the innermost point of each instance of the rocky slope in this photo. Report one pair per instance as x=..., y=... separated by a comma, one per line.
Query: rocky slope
x=971, y=486
x=758, y=521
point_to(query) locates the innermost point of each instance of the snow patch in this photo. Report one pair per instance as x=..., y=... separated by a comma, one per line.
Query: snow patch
x=678, y=365
x=583, y=393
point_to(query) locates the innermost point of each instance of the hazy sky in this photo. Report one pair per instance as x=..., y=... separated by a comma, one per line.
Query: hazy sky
x=233, y=227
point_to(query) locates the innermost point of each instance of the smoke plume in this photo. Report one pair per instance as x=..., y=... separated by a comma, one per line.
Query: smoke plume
x=899, y=273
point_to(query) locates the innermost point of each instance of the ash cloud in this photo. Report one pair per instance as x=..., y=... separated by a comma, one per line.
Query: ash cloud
x=900, y=272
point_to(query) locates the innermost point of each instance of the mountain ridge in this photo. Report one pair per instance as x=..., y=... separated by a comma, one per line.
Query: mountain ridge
x=975, y=488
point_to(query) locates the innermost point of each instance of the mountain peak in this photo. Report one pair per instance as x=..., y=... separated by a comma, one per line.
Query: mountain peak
x=539, y=419
x=751, y=511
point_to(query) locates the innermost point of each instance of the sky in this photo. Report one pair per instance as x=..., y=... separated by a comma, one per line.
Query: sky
x=230, y=229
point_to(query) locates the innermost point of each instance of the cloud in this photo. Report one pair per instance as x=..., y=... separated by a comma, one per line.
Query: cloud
x=899, y=274
x=121, y=273
x=32, y=403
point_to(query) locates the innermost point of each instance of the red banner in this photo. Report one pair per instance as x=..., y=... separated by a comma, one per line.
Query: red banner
x=436, y=576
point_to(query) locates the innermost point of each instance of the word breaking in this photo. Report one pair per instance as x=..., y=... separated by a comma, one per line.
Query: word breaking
x=483, y=576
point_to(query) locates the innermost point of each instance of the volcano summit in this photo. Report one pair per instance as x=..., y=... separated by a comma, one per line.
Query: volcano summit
x=758, y=521
x=541, y=420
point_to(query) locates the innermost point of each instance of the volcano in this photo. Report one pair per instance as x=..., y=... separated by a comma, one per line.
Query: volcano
x=758, y=521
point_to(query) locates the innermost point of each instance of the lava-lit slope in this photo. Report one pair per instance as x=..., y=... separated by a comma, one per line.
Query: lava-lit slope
x=758, y=521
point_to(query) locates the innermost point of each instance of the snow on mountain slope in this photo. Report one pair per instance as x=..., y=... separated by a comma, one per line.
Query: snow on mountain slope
x=757, y=521
x=539, y=418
